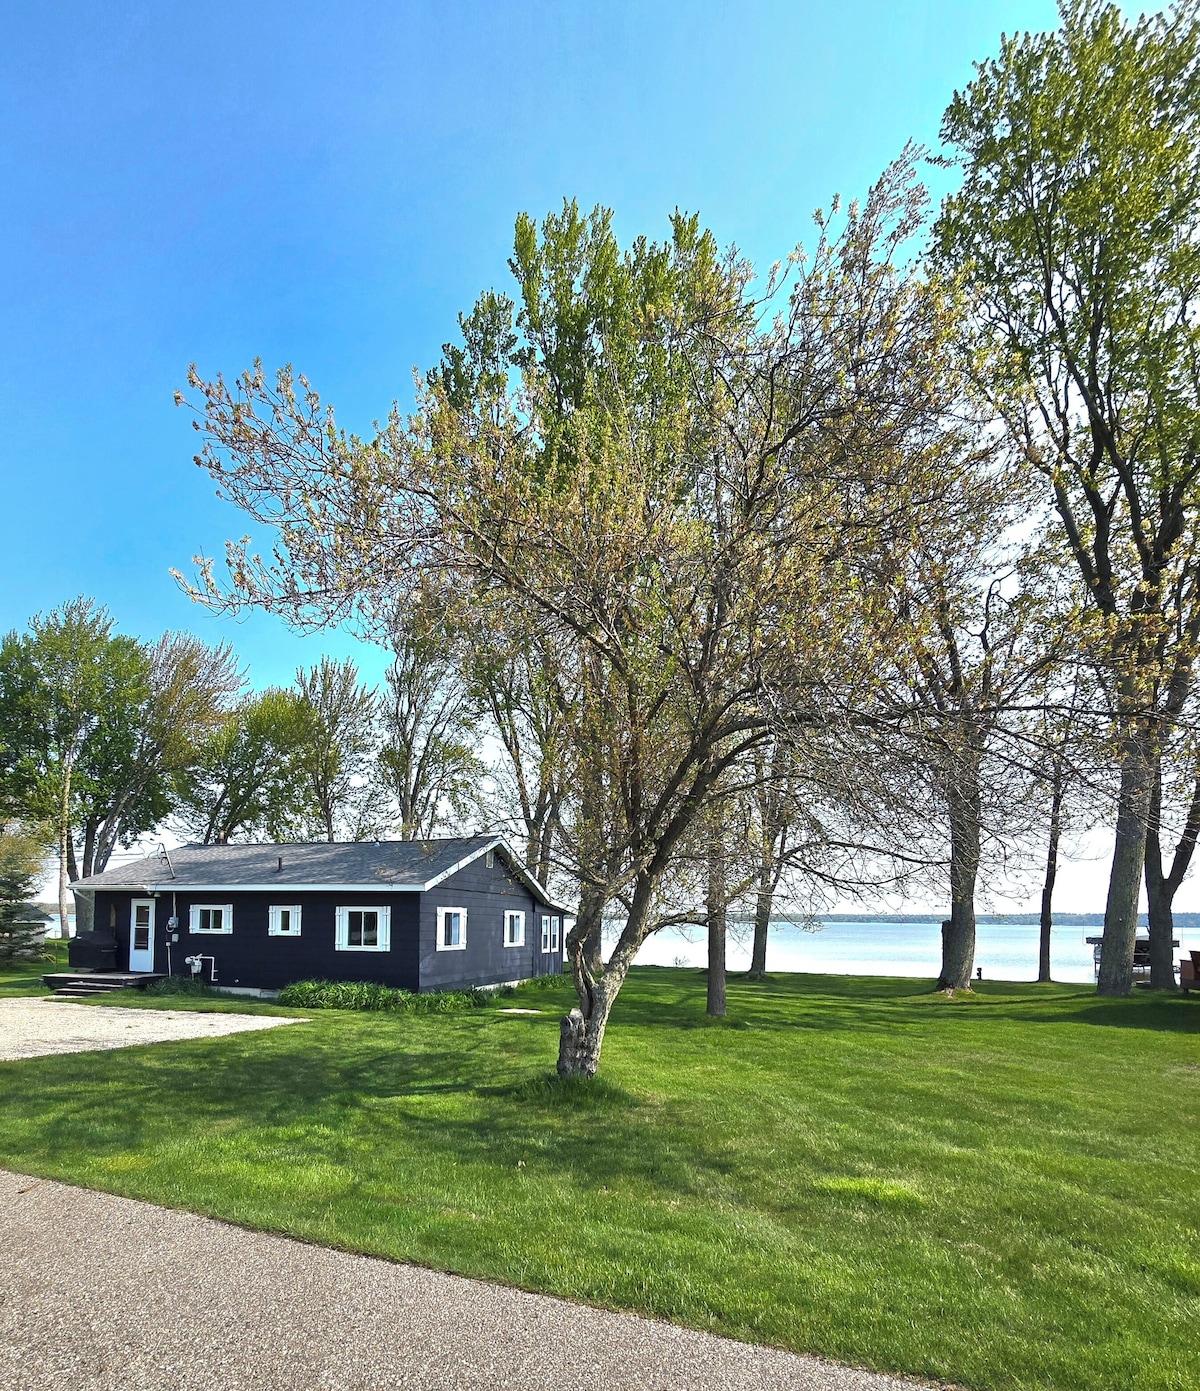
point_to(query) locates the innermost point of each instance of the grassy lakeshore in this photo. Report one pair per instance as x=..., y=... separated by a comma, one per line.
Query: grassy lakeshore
x=999, y=1191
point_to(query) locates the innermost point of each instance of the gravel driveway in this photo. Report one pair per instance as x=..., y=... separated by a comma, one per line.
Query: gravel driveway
x=30, y=1028
x=101, y=1293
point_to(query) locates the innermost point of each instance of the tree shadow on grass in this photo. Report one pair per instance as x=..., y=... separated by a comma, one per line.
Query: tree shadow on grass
x=673, y=998
x=232, y=1103
x=1170, y=1014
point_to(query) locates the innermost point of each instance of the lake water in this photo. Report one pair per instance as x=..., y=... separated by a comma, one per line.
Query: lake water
x=1005, y=951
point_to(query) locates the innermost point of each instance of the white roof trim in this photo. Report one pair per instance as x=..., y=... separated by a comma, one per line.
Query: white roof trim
x=493, y=844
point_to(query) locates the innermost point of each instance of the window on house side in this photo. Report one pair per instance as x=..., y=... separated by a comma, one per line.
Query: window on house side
x=363, y=929
x=555, y=924
x=514, y=929
x=545, y=934
x=211, y=917
x=451, y=929
x=283, y=920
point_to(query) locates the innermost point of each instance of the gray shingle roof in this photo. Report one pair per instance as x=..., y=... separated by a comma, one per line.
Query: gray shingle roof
x=30, y=913
x=396, y=864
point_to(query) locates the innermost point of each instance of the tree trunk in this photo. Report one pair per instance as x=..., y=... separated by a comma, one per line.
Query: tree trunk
x=580, y=1036
x=1128, y=866
x=65, y=848
x=581, y=1032
x=958, y=934
x=1159, y=894
x=717, y=923
x=85, y=910
x=1162, y=930
x=593, y=942
x=1051, y=875
x=89, y=849
x=763, y=904
x=1161, y=888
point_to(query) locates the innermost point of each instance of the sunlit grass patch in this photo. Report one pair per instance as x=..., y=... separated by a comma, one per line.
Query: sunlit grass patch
x=998, y=1192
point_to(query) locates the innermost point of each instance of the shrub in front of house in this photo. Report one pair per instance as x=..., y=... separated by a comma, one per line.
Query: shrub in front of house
x=183, y=985
x=368, y=995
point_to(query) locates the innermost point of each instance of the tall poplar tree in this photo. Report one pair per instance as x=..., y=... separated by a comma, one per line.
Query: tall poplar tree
x=1077, y=234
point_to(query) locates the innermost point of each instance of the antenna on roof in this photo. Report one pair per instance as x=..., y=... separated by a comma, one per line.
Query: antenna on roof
x=165, y=858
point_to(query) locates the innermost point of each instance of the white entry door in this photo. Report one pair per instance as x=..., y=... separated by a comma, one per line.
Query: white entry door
x=141, y=934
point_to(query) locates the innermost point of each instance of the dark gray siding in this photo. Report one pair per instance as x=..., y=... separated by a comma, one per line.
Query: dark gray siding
x=250, y=957
x=486, y=895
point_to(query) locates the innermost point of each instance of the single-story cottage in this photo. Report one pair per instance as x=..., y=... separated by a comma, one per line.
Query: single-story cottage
x=422, y=915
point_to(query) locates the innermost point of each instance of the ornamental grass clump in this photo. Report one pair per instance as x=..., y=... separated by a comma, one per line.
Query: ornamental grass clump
x=369, y=995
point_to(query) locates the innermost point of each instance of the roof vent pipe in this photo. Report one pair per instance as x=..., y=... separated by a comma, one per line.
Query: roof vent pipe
x=279, y=866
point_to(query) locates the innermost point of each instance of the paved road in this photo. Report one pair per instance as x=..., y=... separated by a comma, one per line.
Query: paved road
x=101, y=1292
x=31, y=1027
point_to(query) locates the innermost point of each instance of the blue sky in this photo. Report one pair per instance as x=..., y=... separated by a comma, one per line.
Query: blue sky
x=330, y=185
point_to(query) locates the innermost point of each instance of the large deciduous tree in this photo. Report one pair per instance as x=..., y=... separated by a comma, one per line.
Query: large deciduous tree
x=331, y=764
x=1077, y=234
x=980, y=632
x=681, y=485
x=429, y=764
x=101, y=760
x=67, y=687
x=131, y=764
x=242, y=779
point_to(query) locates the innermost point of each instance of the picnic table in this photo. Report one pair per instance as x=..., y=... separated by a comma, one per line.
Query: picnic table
x=1141, y=954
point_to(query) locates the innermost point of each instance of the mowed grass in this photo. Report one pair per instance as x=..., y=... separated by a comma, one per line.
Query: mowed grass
x=1000, y=1191
x=25, y=977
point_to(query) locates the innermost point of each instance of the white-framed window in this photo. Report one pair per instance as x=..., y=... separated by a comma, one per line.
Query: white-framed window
x=283, y=920
x=489, y=859
x=451, y=929
x=363, y=929
x=555, y=928
x=514, y=929
x=211, y=917
x=545, y=933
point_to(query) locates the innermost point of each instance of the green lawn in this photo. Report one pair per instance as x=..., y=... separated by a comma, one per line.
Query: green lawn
x=26, y=978
x=1001, y=1191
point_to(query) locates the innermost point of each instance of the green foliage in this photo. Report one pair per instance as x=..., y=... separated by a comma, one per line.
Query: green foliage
x=95, y=727
x=242, y=778
x=996, y=1193
x=21, y=862
x=368, y=995
x=186, y=986
x=330, y=795
x=429, y=763
x=67, y=689
x=1077, y=235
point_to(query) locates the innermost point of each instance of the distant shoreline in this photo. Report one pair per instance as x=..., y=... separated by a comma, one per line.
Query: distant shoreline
x=1188, y=920
x=785, y=915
